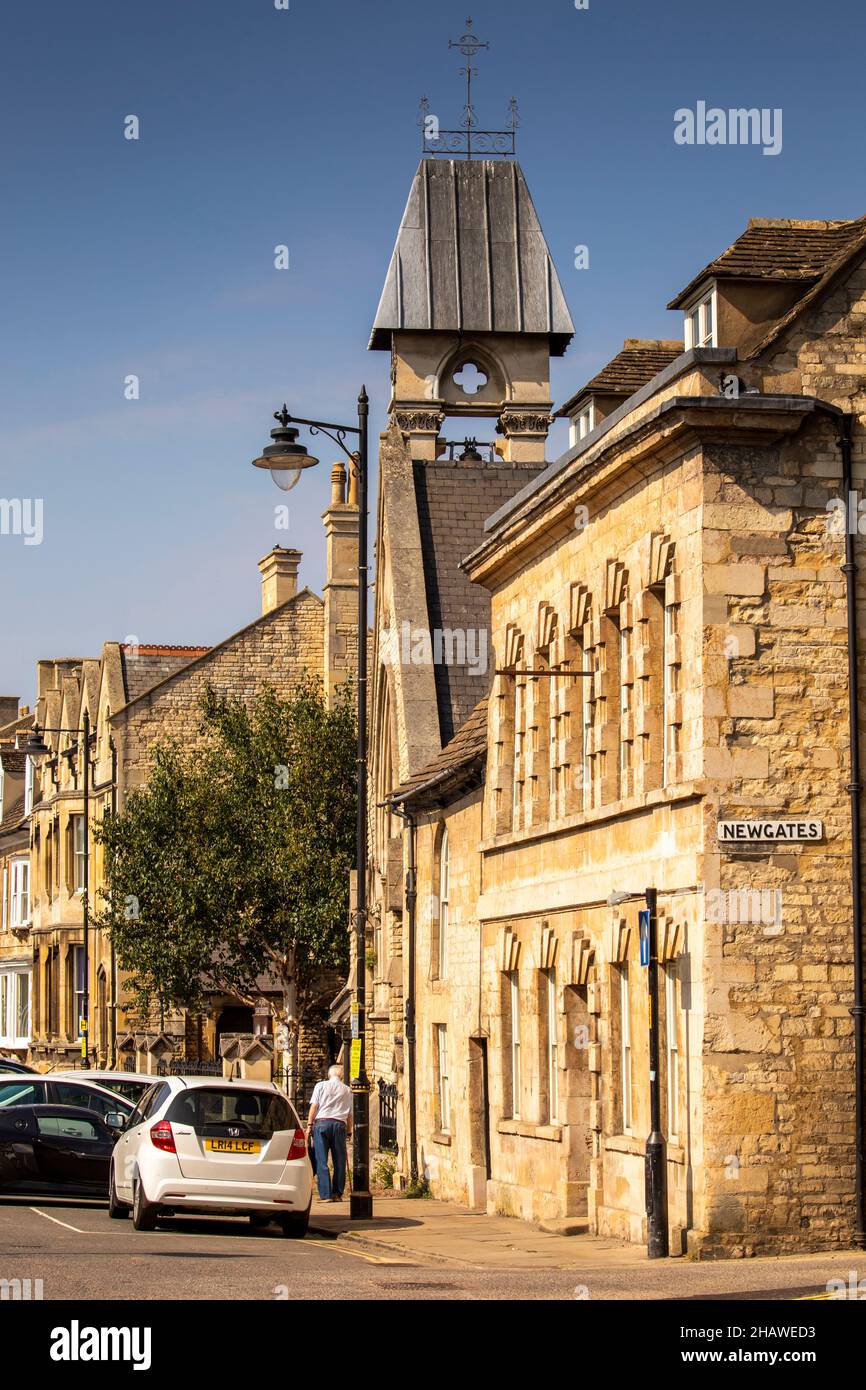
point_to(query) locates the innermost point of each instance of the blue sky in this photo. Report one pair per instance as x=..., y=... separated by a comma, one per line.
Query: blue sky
x=262, y=126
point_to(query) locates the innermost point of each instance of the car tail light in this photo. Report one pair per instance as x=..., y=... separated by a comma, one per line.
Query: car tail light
x=161, y=1137
x=299, y=1145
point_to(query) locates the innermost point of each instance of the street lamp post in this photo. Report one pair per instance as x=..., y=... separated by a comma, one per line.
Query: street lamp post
x=655, y=1154
x=285, y=459
x=37, y=748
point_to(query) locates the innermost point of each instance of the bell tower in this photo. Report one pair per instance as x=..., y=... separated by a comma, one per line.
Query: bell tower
x=472, y=285
x=472, y=309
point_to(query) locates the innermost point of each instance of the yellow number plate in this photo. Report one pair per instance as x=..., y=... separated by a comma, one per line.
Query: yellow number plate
x=232, y=1146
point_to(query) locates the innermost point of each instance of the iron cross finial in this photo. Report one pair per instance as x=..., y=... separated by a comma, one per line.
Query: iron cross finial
x=468, y=43
x=468, y=140
x=283, y=416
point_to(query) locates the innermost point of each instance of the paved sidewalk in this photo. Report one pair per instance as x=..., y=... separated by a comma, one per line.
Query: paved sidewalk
x=445, y=1231
x=430, y=1232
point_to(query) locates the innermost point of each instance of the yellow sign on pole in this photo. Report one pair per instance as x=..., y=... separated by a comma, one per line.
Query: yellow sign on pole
x=355, y=1059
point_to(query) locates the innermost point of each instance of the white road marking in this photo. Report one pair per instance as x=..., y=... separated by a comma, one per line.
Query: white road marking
x=76, y=1229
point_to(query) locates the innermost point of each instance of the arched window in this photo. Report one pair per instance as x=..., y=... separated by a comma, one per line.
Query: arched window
x=102, y=1013
x=439, y=906
x=443, y=905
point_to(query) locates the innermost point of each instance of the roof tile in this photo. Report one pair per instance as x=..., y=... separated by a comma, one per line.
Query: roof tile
x=778, y=249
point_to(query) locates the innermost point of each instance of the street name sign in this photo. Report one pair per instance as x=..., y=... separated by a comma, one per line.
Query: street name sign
x=742, y=832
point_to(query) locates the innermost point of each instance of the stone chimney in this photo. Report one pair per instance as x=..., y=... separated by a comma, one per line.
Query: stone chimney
x=50, y=674
x=279, y=570
x=341, y=584
x=8, y=709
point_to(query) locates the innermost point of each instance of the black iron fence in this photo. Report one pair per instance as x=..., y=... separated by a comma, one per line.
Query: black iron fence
x=181, y=1066
x=299, y=1085
x=387, y=1116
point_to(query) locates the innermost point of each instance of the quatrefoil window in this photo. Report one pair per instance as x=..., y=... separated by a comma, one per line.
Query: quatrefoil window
x=470, y=378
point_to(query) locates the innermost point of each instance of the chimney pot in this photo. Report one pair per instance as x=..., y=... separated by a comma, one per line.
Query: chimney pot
x=352, y=498
x=338, y=485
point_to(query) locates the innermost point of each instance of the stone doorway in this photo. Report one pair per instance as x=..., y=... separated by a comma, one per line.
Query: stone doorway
x=479, y=1122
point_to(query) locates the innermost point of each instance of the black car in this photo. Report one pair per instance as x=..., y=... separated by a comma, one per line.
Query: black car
x=11, y=1064
x=44, y=1090
x=59, y=1150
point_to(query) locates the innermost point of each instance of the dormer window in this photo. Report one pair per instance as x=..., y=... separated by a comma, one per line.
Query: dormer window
x=700, y=330
x=582, y=424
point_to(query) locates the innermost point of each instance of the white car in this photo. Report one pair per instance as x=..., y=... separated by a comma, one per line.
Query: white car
x=208, y=1145
x=129, y=1084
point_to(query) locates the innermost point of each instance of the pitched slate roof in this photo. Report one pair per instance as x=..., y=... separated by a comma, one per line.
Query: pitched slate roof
x=773, y=248
x=14, y=817
x=21, y=724
x=452, y=771
x=454, y=498
x=471, y=258
x=145, y=666
x=639, y=361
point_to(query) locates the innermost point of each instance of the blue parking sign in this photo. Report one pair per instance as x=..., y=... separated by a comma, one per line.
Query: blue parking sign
x=643, y=932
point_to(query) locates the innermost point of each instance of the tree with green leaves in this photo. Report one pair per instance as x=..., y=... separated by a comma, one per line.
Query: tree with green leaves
x=229, y=870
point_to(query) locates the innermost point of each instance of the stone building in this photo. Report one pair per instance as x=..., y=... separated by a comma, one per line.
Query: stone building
x=471, y=311
x=668, y=686
x=16, y=796
x=136, y=697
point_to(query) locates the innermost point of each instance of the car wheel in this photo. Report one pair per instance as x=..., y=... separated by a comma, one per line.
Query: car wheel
x=117, y=1210
x=295, y=1226
x=144, y=1213
x=260, y=1218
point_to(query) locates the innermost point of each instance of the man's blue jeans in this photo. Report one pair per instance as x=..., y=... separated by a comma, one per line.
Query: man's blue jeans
x=329, y=1136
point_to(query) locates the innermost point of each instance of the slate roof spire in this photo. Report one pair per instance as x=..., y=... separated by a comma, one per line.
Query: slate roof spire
x=471, y=258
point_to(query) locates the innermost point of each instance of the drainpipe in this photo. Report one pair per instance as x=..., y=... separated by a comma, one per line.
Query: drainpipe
x=849, y=569
x=411, y=899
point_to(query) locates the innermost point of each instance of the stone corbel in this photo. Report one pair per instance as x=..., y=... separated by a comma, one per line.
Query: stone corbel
x=547, y=946
x=670, y=938
x=513, y=646
x=579, y=599
x=582, y=953
x=509, y=950
x=546, y=626
x=620, y=933
x=661, y=558
x=616, y=580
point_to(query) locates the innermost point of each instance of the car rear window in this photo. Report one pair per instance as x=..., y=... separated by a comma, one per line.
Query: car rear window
x=131, y=1091
x=211, y=1110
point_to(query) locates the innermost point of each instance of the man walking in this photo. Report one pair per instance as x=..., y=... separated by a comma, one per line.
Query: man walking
x=329, y=1125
